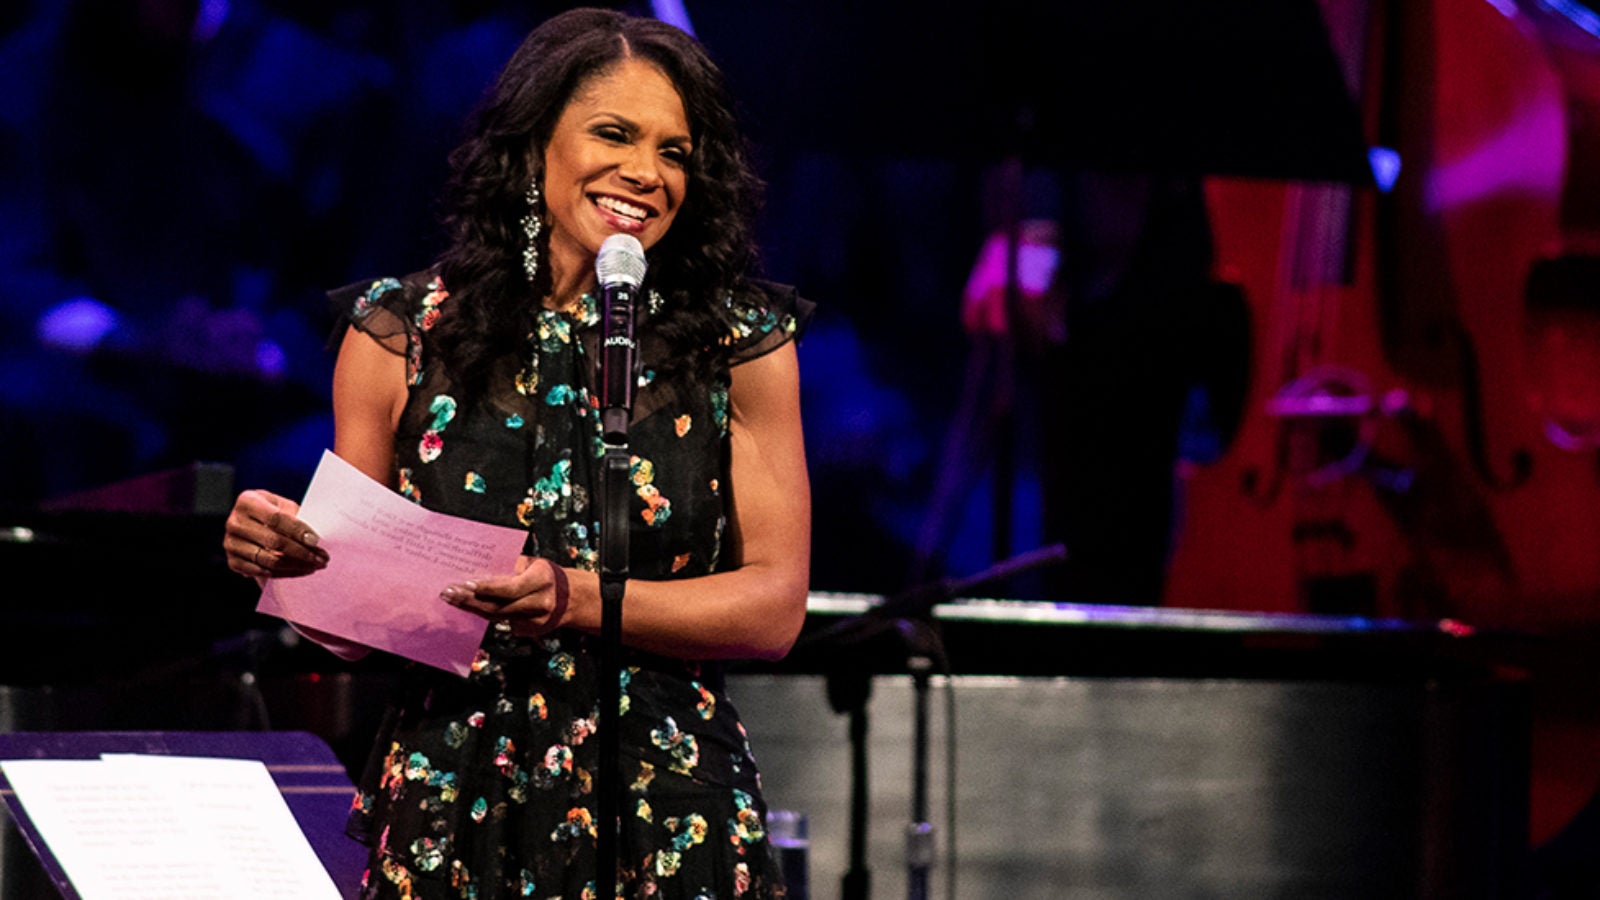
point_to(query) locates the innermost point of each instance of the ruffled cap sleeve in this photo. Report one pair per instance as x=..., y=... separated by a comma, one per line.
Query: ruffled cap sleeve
x=380, y=308
x=393, y=311
x=764, y=318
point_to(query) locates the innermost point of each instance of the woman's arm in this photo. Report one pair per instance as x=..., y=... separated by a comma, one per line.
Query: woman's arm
x=264, y=536
x=369, y=392
x=756, y=608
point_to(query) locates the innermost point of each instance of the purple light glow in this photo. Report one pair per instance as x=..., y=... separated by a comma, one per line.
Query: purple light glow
x=1385, y=163
x=78, y=325
x=209, y=20
x=271, y=361
x=1501, y=163
x=673, y=13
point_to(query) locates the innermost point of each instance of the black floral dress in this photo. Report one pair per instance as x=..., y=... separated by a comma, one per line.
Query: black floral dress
x=483, y=787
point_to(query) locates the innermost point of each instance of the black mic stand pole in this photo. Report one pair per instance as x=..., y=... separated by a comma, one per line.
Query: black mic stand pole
x=613, y=582
x=849, y=687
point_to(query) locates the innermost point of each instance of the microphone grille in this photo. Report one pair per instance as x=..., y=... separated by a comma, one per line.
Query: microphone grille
x=621, y=260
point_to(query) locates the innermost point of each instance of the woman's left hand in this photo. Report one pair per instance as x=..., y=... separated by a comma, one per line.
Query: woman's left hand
x=535, y=600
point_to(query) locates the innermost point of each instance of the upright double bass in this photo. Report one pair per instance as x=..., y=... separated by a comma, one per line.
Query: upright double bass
x=1397, y=456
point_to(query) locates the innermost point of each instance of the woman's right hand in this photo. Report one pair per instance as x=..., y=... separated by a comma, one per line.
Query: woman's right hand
x=264, y=538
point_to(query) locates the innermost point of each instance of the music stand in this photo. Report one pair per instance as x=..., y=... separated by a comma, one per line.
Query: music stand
x=312, y=780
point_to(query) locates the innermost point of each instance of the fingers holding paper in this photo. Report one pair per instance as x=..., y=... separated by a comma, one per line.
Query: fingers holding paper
x=534, y=601
x=265, y=538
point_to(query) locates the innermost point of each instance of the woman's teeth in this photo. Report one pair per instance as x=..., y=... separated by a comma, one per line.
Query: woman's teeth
x=621, y=208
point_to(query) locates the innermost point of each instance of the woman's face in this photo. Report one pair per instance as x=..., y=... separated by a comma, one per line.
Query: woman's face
x=616, y=163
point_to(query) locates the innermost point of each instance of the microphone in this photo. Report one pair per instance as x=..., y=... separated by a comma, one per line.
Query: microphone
x=620, y=267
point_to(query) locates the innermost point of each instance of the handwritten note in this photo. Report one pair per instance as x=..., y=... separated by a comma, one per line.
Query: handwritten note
x=388, y=558
x=168, y=828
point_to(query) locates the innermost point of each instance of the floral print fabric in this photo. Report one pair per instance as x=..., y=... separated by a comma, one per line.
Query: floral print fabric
x=484, y=787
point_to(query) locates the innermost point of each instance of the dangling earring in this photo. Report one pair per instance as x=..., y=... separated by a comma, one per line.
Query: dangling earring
x=531, y=226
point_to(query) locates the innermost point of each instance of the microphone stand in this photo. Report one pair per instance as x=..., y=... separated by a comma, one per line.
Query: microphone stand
x=908, y=616
x=619, y=268
x=923, y=647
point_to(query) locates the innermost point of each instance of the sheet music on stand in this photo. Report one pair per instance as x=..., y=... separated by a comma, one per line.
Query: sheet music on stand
x=136, y=826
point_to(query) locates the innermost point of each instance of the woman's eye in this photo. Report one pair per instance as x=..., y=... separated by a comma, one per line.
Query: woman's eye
x=612, y=133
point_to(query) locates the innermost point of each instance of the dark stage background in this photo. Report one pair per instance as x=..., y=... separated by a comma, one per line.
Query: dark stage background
x=181, y=181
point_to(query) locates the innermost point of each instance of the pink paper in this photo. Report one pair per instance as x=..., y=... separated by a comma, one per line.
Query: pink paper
x=388, y=559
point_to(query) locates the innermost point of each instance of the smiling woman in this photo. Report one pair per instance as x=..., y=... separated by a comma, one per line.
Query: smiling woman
x=469, y=387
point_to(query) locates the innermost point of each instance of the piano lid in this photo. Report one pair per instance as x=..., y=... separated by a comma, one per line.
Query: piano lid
x=1045, y=613
x=1017, y=637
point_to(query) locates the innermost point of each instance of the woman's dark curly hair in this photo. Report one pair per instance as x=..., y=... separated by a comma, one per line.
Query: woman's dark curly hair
x=706, y=254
